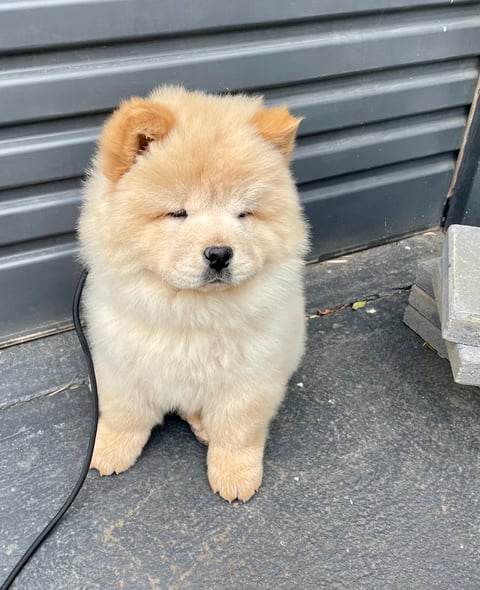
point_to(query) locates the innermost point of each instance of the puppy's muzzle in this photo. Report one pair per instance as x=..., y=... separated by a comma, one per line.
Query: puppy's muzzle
x=218, y=257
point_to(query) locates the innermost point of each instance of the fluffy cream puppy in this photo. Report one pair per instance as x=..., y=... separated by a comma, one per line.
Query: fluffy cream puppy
x=194, y=238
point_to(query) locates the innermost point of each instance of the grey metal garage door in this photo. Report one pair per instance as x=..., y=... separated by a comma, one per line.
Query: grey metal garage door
x=385, y=87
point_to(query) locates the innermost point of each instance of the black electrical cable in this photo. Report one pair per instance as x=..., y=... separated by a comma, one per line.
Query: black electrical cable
x=93, y=431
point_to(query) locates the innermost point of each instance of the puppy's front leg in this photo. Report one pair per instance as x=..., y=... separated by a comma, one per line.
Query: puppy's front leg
x=237, y=439
x=124, y=427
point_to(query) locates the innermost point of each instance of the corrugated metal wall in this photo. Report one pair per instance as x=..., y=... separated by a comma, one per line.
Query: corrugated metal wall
x=385, y=90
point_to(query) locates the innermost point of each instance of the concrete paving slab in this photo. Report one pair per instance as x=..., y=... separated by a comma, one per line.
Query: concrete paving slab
x=424, y=304
x=426, y=330
x=460, y=280
x=464, y=359
x=423, y=276
x=437, y=286
x=465, y=362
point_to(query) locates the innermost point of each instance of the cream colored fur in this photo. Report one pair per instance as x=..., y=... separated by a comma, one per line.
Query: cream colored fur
x=163, y=340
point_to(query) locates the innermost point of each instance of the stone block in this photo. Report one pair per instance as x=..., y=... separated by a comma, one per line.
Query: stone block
x=464, y=359
x=459, y=294
x=423, y=278
x=465, y=363
x=426, y=330
x=424, y=304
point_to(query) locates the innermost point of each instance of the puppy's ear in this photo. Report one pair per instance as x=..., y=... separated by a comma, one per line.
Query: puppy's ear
x=277, y=126
x=128, y=132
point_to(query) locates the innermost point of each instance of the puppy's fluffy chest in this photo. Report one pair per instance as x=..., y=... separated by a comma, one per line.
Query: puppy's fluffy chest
x=184, y=353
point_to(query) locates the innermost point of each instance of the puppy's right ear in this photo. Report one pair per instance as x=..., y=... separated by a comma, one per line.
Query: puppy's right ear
x=129, y=131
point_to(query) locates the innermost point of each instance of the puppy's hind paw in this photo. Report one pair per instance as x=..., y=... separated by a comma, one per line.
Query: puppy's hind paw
x=198, y=429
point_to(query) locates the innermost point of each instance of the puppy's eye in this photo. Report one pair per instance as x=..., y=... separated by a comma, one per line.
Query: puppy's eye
x=180, y=213
x=244, y=214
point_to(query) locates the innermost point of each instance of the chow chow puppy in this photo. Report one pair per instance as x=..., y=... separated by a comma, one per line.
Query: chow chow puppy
x=193, y=236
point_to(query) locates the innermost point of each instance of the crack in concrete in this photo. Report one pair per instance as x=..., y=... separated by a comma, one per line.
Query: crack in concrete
x=73, y=384
x=367, y=298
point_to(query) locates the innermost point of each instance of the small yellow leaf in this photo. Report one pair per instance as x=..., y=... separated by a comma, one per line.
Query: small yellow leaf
x=429, y=346
x=358, y=305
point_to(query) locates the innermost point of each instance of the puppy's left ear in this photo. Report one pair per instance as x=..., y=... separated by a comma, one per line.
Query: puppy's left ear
x=277, y=126
x=128, y=133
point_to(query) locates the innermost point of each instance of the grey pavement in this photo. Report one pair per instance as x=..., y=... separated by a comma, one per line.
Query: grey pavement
x=371, y=469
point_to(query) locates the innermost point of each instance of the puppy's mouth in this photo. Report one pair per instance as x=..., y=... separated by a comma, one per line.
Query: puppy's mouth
x=217, y=278
x=210, y=280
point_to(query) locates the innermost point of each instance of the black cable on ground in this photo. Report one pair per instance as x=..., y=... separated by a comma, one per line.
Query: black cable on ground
x=93, y=431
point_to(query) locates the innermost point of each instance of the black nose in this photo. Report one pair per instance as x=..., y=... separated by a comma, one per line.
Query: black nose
x=218, y=256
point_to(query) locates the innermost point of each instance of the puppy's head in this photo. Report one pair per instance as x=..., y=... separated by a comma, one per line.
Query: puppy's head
x=194, y=189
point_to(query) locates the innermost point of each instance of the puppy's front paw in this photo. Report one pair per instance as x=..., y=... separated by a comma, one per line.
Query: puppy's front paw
x=115, y=451
x=235, y=475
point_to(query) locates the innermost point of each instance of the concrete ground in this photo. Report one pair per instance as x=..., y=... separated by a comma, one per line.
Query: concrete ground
x=371, y=469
